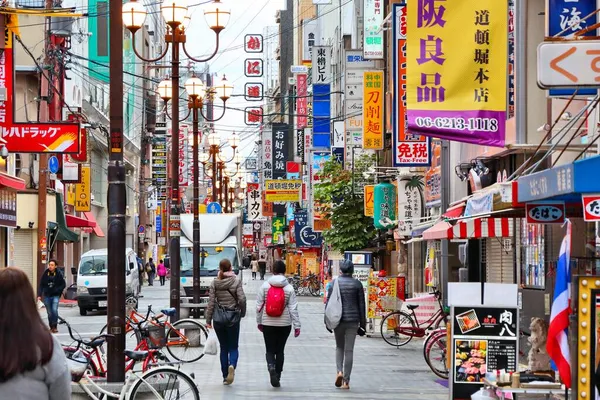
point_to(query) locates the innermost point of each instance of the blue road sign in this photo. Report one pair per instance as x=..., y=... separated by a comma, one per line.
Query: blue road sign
x=53, y=164
x=141, y=229
x=214, y=208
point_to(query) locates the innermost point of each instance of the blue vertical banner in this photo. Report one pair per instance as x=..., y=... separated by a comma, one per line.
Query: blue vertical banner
x=338, y=154
x=322, y=116
x=567, y=16
x=305, y=236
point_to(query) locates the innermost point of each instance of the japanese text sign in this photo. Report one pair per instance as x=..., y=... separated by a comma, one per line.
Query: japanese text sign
x=373, y=32
x=280, y=190
x=8, y=208
x=547, y=183
x=254, y=203
x=30, y=137
x=309, y=29
x=448, y=40
x=184, y=173
x=566, y=17
x=278, y=226
x=253, y=43
x=281, y=140
x=253, y=67
x=83, y=200
x=253, y=115
x=545, y=213
x=301, y=101
x=568, y=64
x=410, y=206
x=253, y=91
x=267, y=153
x=373, y=110
x=591, y=207
x=321, y=64
x=369, y=200
x=409, y=150
x=305, y=236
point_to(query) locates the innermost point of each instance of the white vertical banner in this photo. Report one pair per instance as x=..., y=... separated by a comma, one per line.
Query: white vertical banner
x=321, y=65
x=254, y=202
x=309, y=37
x=338, y=134
x=373, y=29
x=267, y=151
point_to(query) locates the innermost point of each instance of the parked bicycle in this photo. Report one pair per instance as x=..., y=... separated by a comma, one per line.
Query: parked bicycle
x=185, y=338
x=435, y=352
x=305, y=286
x=398, y=327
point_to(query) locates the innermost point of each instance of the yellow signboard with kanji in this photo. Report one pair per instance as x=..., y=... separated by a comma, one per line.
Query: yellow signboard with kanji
x=83, y=201
x=369, y=200
x=281, y=190
x=373, y=110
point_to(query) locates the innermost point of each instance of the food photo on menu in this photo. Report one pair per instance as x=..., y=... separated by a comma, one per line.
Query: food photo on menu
x=468, y=321
x=471, y=360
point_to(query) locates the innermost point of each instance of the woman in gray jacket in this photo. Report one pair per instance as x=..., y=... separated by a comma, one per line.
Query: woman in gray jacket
x=227, y=290
x=353, y=322
x=33, y=365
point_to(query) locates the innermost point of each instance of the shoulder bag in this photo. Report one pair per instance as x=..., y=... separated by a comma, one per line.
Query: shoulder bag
x=333, y=310
x=226, y=317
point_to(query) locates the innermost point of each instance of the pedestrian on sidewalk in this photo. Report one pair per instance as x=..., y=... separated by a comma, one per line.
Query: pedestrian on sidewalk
x=33, y=365
x=353, y=322
x=254, y=265
x=276, y=312
x=140, y=264
x=262, y=267
x=227, y=292
x=151, y=270
x=52, y=285
x=162, y=272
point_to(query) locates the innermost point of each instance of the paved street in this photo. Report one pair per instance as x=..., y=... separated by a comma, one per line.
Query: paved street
x=380, y=371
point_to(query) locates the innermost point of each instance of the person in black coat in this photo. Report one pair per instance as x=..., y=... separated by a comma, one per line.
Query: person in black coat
x=52, y=285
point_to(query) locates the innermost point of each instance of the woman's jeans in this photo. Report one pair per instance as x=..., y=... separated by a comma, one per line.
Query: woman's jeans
x=345, y=336
x=275, y=339
x=51, y=304
x=228, y=340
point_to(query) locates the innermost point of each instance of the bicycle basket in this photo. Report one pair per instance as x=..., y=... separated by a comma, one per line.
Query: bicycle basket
x=157, y=337
x=78, y=364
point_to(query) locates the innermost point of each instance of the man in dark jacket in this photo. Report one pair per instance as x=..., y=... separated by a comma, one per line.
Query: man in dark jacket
x=151, y=270
x=353, y=322
x=52, y=285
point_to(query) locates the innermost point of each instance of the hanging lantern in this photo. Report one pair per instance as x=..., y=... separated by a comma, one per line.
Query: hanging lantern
x=385, y=206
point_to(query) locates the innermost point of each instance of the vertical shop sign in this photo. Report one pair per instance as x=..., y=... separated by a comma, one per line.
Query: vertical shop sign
x=338, y=134
x=300, y=145
x=373, y=32
x=433, y=178
x=253, y=115
x=511, y=60
x=254, y=202
x=159, y=160
x=277, y=225
x=409, y=150
x=253, y=91
x=369, y=200
x=410, y=206
x=8, y=208
x=184, y=173
x=253, y=43
x=309, y=29
x=281, y=134
x=385, y=205
x=302, y=101
x=321, y=65
x=253, y=67
x=373, y=110
x=566, y=16
x=445, y=41
x=267, y=144
x=83, y=201
x=305, y=236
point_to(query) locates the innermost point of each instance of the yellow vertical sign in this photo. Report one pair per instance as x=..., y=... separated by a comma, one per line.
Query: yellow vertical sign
x=369, y=200
x=83, y=201
x=70, y=189
x=373, y=110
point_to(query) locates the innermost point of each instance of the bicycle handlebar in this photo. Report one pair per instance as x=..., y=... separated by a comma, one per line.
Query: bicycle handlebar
x=80, y=341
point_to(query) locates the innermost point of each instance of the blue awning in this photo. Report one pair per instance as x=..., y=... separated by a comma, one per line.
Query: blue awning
x=419, y=229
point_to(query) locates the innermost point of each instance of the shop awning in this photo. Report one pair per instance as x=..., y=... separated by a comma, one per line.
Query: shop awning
x=422, y=227
x=438, y=231
x=11, y=182
x=77, y=222
x=97, y=230
x=478, y=228
x=63, y=233
x=455, y=211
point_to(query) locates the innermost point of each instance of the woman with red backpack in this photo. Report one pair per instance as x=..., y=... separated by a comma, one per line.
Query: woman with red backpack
x=276, y=312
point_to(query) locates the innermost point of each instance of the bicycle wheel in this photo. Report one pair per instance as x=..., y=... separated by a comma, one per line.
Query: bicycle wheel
x=434, y=352
x=190, y=346
x=391, y=327
x=314, y=287
x=168, y=382
x=132, y=339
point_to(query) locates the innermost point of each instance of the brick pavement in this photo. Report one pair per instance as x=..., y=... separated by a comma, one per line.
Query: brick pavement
x=380, y=371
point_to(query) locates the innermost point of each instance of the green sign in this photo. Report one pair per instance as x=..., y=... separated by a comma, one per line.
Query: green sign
x=277, y=226
x=385, y=206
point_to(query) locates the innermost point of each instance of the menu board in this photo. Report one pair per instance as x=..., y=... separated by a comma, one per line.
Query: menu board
x=483, y=339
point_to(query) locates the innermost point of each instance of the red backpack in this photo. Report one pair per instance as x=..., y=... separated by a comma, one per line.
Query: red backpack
x=275, y=302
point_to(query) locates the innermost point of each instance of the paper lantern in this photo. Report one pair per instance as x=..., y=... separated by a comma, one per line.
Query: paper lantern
x=385, y=206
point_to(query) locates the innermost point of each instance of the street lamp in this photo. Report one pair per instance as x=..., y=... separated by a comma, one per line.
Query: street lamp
x=196, y=91
x=174, y=13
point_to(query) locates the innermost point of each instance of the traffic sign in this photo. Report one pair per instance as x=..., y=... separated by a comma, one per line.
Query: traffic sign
x=141, y=229
x=569, y=64
x=53, y=164
x=214, y=208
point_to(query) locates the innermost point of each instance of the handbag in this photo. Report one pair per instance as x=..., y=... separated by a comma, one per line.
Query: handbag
x=333, y=309
x=226, y=317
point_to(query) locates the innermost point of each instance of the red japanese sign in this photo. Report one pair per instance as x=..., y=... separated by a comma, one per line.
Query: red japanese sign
x=591, y=207
x=253, y=67
x=253, y=43
x=253, y=91
x=545, y=213
x=30, y=137
x=302, y=101
x=183, y=160
x=253, y=115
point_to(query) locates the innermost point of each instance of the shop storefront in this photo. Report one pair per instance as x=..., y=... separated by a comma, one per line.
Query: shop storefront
x=9, y=185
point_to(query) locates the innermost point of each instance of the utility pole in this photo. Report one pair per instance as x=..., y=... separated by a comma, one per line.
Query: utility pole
x=117, y=200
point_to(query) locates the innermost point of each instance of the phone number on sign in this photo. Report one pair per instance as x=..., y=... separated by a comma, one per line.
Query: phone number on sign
x=460, y=124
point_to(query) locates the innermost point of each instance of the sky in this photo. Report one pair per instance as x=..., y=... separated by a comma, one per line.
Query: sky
x=247, y=17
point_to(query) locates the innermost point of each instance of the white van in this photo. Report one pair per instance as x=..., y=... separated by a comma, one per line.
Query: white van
x=92, y=279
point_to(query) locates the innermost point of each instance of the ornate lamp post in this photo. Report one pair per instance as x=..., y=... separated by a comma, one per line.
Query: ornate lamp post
x=217, y=161
x=174, y=13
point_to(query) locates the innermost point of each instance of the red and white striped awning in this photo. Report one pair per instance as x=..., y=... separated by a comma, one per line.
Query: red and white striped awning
x=481, y=228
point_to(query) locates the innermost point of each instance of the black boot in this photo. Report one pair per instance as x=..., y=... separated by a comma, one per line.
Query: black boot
x=274, y=376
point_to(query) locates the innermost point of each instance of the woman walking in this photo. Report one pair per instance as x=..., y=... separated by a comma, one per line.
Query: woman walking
x=226, y=292
x=276, y=312
x=33, y=365
x=161, y=270
x=353, y=322
x=254, y=265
